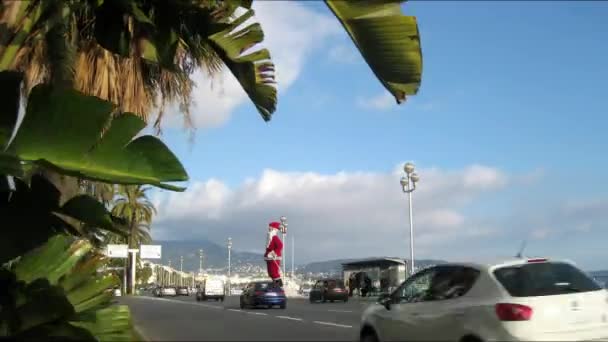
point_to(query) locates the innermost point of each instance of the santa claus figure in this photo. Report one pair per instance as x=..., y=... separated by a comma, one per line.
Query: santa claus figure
x=274, y=252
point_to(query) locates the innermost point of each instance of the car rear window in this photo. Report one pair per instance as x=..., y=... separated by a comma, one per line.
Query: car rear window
x=544, y=279
x=335, y=283
x=261, y=286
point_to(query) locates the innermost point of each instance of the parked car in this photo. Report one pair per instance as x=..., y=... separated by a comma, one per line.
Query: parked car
x=212, y=289
x=328, y=290
x=263, y=293
x=183, y=291
x=167, y=291
x=511, y=300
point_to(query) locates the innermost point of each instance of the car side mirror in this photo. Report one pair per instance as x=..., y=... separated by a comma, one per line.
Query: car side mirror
x=385, y=300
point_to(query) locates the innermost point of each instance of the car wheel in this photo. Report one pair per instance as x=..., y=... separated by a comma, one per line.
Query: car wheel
x=242, y=304
x=283, y=306
x=331, y=301
x=323, y=299
x=310, y=300
x=345, y=299
x=368, y=335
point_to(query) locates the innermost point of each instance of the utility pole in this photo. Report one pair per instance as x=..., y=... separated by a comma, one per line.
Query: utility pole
x=293, y=247
x=181, y=263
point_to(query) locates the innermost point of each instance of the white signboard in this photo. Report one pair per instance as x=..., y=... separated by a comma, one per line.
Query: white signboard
x=150, y=251
x=117, y=251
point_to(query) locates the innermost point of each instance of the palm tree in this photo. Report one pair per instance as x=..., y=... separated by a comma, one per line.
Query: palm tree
x=133, y=205
x=140, y=54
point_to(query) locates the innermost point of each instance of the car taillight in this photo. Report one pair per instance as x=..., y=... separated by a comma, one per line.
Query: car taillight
x=537, y=260
x=513, y=312
x=259, y=293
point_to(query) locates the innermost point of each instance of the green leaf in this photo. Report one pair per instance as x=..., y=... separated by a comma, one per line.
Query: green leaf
x=88, y=210
x=254, y=71
x=64, y=130
x=82, y=272
x=35, y=264
x=91, y=290
x=10, y=88
x=108, y=323
x=388, y=40
x=45, y=304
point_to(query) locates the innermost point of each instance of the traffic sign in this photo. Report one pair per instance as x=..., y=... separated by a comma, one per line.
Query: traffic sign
x=117, y=251
x=150, y=251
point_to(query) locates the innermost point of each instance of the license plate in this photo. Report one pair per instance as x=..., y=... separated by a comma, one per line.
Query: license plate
x=271, y=294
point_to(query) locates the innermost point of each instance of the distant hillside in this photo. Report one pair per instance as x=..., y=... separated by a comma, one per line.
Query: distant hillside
x=216, y=257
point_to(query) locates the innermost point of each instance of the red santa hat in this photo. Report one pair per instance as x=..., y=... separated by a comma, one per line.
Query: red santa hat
x=275, y=225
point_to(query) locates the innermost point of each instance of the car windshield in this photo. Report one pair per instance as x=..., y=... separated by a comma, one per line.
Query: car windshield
x=544, y=279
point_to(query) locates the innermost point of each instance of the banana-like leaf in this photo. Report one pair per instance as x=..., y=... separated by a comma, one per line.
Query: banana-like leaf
x=388, y=40
x=87, y=209
x=82, y=272
x=254, y=71
x=64, y=130
x=45, y=304
x=36, y=263
x=33, y=307
x=95, y=286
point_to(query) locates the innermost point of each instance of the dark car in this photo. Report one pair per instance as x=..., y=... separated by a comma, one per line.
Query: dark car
x=328, y=290
x=263, y=293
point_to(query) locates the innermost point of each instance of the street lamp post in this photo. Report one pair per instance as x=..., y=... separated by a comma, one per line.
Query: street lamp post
x=200, y=263
x=284, y=232
x=408, y=184
x=229, y=261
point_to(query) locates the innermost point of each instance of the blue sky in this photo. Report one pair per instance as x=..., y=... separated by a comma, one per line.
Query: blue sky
x=518, y=88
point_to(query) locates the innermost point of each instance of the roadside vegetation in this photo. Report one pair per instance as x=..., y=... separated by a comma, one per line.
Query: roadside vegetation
x=90, y=75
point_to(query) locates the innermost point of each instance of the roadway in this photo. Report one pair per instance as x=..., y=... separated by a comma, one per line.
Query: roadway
x=184, y=319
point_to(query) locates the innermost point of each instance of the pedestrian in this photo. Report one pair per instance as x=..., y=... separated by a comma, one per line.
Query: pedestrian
x=274, y=252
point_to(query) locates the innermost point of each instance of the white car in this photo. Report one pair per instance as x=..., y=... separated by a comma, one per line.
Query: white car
x=168, y=291
x=512, y=300
x=117, y=292
x=211, y=289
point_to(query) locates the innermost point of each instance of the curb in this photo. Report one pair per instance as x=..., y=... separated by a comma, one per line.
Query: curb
x=139, y=335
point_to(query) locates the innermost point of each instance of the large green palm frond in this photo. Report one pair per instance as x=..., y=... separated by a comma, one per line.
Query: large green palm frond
x=388, y=40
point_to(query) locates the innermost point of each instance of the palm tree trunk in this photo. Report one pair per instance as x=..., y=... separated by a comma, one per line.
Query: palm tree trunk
x=132, y=244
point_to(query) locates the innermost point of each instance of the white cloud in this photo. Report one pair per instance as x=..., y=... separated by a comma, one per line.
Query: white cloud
x=383, y=101
x=292, y=32
x=331, y=214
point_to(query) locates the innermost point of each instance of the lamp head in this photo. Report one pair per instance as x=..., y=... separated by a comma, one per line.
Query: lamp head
x=403, y=182
x=408, y=168
x=415, y=177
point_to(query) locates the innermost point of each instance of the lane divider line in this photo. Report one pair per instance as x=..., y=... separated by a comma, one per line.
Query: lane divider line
x=235, y=310
x=182, y=302
x=345, y=311
x=290, y=318
x=333, y=324
x=257, y=313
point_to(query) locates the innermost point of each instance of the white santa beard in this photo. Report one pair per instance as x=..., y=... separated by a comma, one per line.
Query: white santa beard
x=271, y=234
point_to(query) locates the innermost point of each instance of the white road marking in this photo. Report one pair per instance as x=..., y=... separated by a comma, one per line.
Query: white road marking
x=235, y=310
x=333, y=324
x=339, y=310
x=257, y=313
x=291, y=318
x=182, y=302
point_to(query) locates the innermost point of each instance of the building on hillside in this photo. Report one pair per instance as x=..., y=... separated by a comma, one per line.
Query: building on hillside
x=386, y=274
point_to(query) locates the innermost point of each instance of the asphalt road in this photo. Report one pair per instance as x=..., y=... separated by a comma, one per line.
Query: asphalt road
x=185, y=319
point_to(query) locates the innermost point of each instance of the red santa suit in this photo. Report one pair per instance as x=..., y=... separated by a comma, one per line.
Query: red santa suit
x=274, y=251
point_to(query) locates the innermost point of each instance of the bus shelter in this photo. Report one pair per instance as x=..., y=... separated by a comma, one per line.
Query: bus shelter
x=385, y=274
